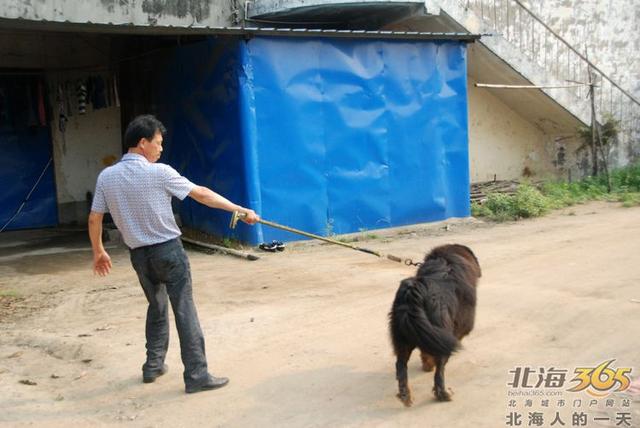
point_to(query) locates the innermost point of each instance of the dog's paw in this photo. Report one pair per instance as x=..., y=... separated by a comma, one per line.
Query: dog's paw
x=442, y=395
x=405, y=398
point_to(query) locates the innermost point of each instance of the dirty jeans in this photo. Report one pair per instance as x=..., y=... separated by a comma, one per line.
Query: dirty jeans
x=164, y=273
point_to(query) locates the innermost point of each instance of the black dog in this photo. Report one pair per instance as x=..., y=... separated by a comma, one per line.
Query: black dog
x=433, y=311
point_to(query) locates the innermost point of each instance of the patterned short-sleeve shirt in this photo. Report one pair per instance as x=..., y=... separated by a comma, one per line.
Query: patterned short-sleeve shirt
x=137, y=194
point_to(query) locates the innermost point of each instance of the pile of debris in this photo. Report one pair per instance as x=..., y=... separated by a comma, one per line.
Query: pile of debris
x=480, y=191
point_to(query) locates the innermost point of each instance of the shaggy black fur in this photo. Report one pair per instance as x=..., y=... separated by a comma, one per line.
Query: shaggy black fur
x=432, y=311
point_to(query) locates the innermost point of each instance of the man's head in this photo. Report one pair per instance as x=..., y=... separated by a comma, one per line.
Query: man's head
x=144, y=136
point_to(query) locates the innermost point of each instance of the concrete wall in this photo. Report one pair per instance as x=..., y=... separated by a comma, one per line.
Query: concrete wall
x=609, y=29
x=145, y=13
x=609, y=32
x=506, y=145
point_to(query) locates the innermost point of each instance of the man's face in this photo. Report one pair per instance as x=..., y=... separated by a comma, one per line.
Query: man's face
x=152, y=149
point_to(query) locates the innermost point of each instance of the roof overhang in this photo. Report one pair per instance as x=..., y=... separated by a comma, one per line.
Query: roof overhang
x=21, y=24
x=368, y=15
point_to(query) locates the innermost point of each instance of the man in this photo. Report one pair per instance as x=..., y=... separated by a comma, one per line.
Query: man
x=137, y=193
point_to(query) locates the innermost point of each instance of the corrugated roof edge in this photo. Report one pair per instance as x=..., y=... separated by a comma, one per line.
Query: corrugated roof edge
x=124, y=28
x=468, y=37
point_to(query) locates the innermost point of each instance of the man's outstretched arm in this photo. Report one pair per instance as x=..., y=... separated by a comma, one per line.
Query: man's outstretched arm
x=208, y=197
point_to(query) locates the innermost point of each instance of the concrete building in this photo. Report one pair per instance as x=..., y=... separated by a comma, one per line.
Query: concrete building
x=368, y=118
x=53, y=45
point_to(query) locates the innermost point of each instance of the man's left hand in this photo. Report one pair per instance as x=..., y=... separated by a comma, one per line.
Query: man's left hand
x=101, y=263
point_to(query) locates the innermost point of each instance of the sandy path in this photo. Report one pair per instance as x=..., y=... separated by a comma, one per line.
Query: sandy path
x=303, y=335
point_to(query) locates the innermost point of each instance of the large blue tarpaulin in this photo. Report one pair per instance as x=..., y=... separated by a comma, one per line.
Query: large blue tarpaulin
x=201, y=111
x=28, y=196
x=325, y=135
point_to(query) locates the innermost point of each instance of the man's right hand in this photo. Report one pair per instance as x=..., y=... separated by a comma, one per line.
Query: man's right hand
x=250, y=216
x=101, y=263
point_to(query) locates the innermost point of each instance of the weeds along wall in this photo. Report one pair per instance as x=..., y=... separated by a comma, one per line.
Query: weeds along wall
x=326, y=135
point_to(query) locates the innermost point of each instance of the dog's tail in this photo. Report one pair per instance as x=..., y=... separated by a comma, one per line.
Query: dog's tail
x=410, y=320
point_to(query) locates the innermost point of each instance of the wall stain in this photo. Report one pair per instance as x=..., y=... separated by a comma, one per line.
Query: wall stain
x=111, y=4
x=109, y=160
x=198, y=9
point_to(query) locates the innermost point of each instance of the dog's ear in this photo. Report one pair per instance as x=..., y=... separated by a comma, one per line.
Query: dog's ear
x=409, y=282
x=471, y=253
x=467, y=255
x=472, y=258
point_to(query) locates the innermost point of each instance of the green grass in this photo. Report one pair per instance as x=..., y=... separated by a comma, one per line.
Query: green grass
x=629, y=199
x=8, y=293
x=529, y=201
x=232, y=243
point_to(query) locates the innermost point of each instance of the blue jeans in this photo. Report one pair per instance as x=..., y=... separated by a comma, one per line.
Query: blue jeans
x=165, y=275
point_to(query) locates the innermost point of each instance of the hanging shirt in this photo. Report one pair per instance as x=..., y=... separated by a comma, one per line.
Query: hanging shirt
x=137, y=194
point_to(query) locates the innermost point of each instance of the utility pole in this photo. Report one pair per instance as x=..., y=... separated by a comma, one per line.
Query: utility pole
x=594, y=152
x=596, y=139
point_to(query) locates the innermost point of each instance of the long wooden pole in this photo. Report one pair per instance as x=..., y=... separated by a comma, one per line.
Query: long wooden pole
x=237, y=215
x=499, y=86
x=225, y=250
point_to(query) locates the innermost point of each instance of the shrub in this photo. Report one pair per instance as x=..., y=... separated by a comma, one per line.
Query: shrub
x=500, y=207
x=629, y=199
x=529, y=202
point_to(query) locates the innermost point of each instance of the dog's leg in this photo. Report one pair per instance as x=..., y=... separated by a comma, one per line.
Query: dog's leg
x=428, y=362
x=404, y=393
x=439, y=388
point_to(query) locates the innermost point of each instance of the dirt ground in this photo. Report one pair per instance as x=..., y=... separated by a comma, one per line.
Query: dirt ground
x=303, y=336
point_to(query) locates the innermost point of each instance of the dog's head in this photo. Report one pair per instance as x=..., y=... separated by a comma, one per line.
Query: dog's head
x=459, y=258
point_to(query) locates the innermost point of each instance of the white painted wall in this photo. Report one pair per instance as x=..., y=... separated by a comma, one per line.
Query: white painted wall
x=503, y=143
x=91, y=142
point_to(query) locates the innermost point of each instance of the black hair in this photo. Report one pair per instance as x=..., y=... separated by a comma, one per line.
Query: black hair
x=144, y=126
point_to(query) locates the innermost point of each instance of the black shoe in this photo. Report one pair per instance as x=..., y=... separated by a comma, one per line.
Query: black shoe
x=151, y=377
x=212, y=383
x=279, y=245
x=272, y=247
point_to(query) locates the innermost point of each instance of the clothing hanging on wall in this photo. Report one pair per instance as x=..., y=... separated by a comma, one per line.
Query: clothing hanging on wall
x=42, y=113
x=98, y=92
x=115, y=91
x=22, y=102
x=62, y=107
x=82, y=95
